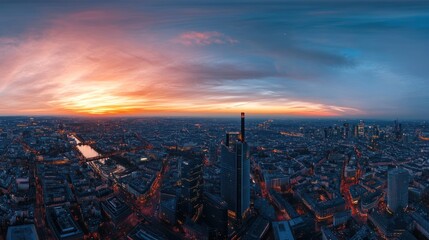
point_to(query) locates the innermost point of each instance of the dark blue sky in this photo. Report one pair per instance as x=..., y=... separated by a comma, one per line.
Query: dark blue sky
x=315, y=58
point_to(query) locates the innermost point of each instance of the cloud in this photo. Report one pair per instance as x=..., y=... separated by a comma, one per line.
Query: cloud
x=204, y=38
x=98, y=62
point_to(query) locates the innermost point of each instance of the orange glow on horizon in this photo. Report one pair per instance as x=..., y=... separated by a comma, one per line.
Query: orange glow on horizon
x=126, y=107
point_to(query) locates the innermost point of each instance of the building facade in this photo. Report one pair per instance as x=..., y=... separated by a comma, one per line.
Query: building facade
x=235, y=167
x=397, y=189
x=192, y=185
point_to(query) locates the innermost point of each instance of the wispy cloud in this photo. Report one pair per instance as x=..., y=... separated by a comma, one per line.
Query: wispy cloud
x=269, y=59
x=74, y=66
x=204, y=38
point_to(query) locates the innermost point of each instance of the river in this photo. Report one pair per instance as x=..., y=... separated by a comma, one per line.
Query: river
x=86, y=150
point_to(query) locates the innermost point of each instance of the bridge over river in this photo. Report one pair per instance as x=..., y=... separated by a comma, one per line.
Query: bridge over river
x=90, y=154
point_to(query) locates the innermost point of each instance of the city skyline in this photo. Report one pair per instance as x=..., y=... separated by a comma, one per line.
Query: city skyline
x=205, y=178
x=318, y=59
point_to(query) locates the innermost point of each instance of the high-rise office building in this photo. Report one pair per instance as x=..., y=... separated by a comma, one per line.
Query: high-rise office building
x=346, y=131
x=361, y=129
x=397, y=130
x=397, y=189
x=235, y=167
x=215, y=214
x=192, y=185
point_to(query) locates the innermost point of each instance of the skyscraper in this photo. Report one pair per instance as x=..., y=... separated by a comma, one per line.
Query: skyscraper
x=235, y=183
x=397, y=130
x=192, y=183
x=361, y=129
x=346, y=132
x=215, y=213
x=397, y=189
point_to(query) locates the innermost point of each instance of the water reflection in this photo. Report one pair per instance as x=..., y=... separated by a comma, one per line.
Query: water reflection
x=86, y=150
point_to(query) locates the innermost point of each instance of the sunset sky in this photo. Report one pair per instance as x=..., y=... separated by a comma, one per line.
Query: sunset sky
x=284, y=58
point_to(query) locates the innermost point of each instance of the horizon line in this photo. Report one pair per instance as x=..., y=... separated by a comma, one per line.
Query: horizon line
x=228, y=116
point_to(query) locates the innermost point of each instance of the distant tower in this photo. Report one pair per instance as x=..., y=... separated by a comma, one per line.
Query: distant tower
x=397, y=189
x=398, y=130
x=242, y=137
x=192, y=185
x=235, y=183
x=346, y=132
x=361, y=129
